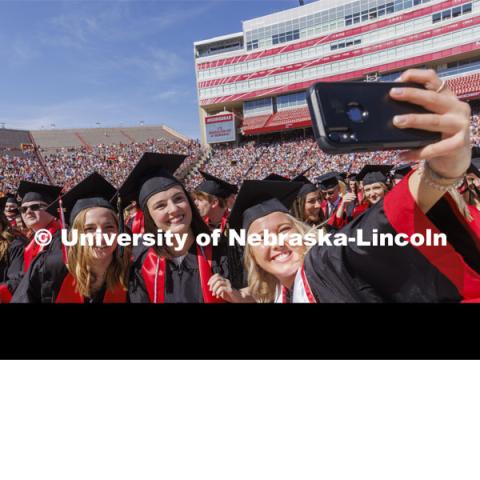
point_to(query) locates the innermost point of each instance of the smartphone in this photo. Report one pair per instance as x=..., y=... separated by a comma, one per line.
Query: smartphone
x=358, y=117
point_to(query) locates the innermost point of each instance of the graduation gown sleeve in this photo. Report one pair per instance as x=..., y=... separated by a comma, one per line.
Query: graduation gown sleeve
x=12, y=269
x=43, y=279
x=358, y=273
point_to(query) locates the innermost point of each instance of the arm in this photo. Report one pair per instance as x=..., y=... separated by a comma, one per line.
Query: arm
x=449, y=158
x=338, y=219
x=427, y=273
x=222, y=288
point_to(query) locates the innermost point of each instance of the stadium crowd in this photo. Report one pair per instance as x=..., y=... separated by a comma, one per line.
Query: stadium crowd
x=68, y=166
x=252, y=159
x=255, y=159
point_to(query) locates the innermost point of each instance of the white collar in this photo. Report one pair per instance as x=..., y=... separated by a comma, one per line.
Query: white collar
x=299, y=293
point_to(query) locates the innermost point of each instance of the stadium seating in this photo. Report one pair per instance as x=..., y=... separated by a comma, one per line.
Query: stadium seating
x=102, y=136
x=285, y=119
x=14, y=138
x=465, y=86
x=253, y=124
x=287, y=154
x=279, y=121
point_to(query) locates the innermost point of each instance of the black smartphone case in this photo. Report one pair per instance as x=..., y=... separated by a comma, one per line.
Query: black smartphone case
x=332, y=106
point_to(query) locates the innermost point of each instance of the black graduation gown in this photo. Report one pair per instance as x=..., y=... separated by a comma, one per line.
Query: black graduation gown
x=399, y=274
x=11, y=265
x=43, y=280
x=182, y=282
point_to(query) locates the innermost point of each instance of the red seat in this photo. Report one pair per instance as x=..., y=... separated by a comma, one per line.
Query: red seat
x=252, y=123
x=465, y=85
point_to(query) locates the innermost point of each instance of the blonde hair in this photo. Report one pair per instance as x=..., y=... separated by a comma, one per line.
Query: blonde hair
x=80, y=258
x=342, y=186
x=261, y=284
x=461, y=204
x=222, y=202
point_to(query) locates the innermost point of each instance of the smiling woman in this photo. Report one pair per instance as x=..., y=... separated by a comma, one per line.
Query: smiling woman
x=82, y=274
x=171, y=275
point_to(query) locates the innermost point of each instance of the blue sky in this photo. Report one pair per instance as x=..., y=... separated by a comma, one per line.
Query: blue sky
x=76, y=63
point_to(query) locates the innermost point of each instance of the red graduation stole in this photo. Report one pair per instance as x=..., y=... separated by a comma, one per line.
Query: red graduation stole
x=33, y=249
x=5, y=294
x=68, y=294
x=138, y=225
x=306, y=286
x=153, y=273
x=223, y=222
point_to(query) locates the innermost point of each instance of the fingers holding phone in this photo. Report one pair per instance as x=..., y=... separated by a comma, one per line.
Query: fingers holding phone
x=449, y=157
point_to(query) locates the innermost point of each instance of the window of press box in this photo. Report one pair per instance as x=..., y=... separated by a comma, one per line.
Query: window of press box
x=452, y=13
x=285, y=37
x=345, y=44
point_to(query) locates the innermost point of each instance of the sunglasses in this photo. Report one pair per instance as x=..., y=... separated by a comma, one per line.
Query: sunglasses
x=34, y=208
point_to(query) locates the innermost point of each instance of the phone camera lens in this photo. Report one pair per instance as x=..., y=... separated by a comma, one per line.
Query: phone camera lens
x=334, y=137
x=356, y=113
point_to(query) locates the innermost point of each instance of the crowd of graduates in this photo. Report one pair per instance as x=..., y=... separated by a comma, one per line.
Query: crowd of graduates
x=434, y=189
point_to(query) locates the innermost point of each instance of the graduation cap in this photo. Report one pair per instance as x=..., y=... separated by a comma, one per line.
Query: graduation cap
x=342, y=176
x=374, y=174
x=7, y=199
x=93, y=191
x=327, y=180
x=401, y=171
x=351, y=177
x=216, y=186
x=30, y=192
x=276, y=178
x=307, y=186
x=152, y=174
x=258, y=198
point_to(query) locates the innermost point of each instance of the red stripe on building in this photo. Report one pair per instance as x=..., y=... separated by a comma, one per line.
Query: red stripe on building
x=334, y=36
x=417, y=37
x=398, y=65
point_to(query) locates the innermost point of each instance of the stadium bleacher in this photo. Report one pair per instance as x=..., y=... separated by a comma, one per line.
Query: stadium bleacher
x=465, y=86
x=14, y=138
x=102, y=136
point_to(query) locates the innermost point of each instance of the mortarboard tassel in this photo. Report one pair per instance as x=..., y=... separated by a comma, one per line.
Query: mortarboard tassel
x=63, y=225
x=121, y=224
